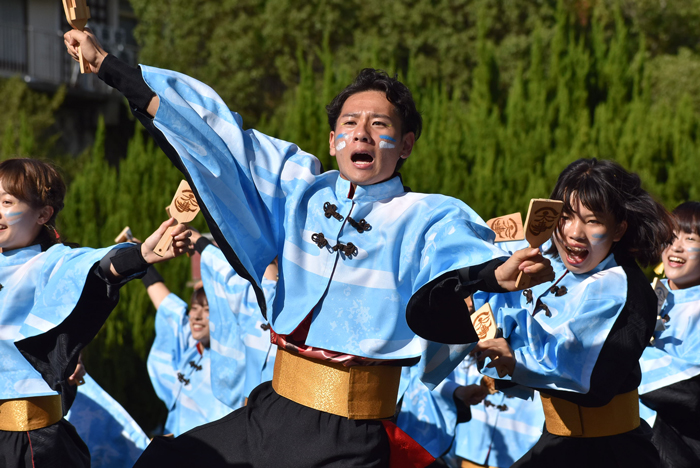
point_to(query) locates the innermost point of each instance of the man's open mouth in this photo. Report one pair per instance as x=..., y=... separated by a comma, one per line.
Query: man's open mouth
x=362, y=158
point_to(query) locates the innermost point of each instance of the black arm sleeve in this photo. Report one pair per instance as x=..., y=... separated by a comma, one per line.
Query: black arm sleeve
x=437, y=311
x=127, y=80
x=617, y=369
x=201, y=244
x=678, y=405
x=151, y=277
x=127, y=262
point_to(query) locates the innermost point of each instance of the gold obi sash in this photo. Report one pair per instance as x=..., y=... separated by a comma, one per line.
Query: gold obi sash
x=470, y=464
x=564, y=418
x=28, y=414
x=358, y=392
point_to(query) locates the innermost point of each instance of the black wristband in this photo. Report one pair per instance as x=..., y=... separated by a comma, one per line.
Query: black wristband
x=129, y=261
x=201, y=244
x=152, y=277
x=127, y=80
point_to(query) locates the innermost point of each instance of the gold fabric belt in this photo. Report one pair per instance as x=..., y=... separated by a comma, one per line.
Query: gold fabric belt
x=470, y=464
x=564, y=418
x=358, y=392
x=28, y=414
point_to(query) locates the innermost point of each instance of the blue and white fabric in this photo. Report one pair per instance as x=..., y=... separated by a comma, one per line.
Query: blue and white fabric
x=189, y=398
x=429, y=417
x=267, y=197
x=675, y=354
x=114, y=439
x=39, y=291
x=500, y=433
x=559, y=352
x=242, y=355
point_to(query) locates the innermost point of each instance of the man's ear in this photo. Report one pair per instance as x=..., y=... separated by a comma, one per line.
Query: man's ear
x=620, y=231
x=407, y=142
x=331, y=143
x=45, y=215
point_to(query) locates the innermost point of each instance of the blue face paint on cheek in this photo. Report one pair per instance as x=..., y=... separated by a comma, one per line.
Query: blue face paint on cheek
x=693, y=249
x=341, y=135
x=598, y=238
x=13, y=217
x=385, y=143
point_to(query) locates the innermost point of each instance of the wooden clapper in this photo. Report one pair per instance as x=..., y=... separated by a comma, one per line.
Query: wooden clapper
x=542, y=219
x=77, y=15
x=507, y=228
x=124, y=236
x=183, y=208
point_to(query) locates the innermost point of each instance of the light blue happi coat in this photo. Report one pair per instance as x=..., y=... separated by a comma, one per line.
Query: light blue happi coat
x=114, y=439
x=242, y=355
x=560, y=352
x=675, y=354
x=190, y=403
x=429, y=417
x=39, y=291
x=501, y=433
x=267, y=198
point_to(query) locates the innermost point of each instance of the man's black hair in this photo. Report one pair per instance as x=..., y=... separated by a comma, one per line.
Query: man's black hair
x=396, y=93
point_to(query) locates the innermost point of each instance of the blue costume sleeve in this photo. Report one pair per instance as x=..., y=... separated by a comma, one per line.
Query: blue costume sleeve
x=52, y=304
x=241, y=176
x=173, y=337
x=114, y=439
x=429, y=417
x=236, y=341
x=560, y=352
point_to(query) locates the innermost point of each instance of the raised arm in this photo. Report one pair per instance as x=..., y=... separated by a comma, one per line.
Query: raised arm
x=241, y=178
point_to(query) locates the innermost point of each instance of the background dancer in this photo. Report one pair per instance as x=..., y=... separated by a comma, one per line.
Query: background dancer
x=671, y=366
x=241, y=351
x=579, y=341
x=53, y=301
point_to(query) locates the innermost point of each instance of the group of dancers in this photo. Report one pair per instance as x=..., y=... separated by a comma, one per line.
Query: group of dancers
x=332, y=327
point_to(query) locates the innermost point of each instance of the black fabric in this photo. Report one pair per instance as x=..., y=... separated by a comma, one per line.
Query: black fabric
x=152, y=277
x=55, y=446
x=272, y=431
x=226, y=249
x=54, y=354
x=127, y=80
x=437, y=311
x=201, y=244
x=617, y=370
x=126, y=261
x=677, y=426
x=629, y=450
x=464, y=411
x=677, y=448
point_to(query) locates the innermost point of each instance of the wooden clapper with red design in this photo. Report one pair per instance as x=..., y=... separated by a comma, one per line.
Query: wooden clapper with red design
x=77, y=15
x=183, y=208
x=542, y=219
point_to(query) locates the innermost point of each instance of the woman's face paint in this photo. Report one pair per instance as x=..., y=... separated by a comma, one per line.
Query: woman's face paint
x=682, y=260
x=19, y=222
x=598, y=238
x=584, y=238
x=386, y=142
